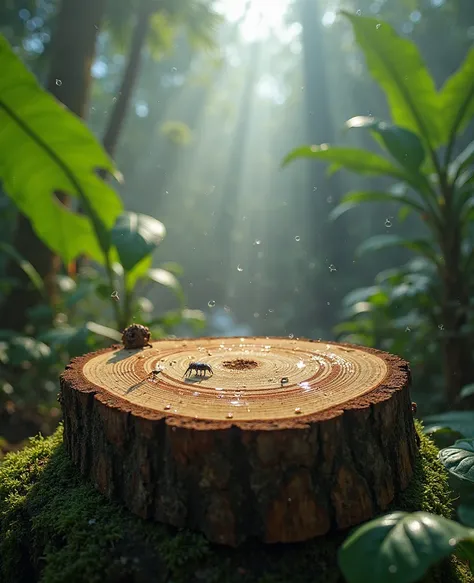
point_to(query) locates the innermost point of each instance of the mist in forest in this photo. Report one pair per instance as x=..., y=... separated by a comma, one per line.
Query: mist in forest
x=198, y=103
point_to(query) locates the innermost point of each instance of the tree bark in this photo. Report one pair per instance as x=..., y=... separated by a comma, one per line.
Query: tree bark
x=129, y=78
x=69, y=81
x=319, y=130
x=285, y=441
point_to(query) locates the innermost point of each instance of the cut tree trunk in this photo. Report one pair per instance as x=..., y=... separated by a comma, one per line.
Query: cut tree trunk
x=285, y=441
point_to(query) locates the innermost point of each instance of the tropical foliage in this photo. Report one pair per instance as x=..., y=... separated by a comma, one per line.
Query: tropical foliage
x=429, y=178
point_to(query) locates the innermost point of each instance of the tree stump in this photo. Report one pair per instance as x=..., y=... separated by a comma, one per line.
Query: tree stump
x=285, y=441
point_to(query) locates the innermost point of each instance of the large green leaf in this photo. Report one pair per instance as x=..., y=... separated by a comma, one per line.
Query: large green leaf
x=462, y=421
x=167, y=279
x=457, y=99
x=378, y=242
x=395, y=63
x=135, y=236
x=45, y=149
x=354, y=159
x=400, y=547
x=458, y=459
x=402, y=144
x=354, y=199
x=442, y=436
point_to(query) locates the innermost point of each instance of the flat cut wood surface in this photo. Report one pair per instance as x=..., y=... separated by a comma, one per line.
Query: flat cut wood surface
x=288, y=439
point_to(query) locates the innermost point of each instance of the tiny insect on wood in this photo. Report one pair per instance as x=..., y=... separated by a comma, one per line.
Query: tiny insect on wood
x=198, y=368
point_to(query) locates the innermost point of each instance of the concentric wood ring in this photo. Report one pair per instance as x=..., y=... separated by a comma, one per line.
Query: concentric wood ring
x=253, y=378
x=286, y=440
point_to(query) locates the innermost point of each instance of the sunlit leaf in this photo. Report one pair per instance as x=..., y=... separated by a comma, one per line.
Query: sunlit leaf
x=167, y=279
x=467, y=391
x=174, y=267
x=457, y=98
x=458, y=459
x=104, y=331
x=402, y=144
x=463, y=161
x=354, y=159
x=135, y=236
x=442, y=436
x=379, y=242
x=462, y=421
x=360, y=295
x=46, y=149
x=400, y=547
x=139, y=271
x=354, y=199
x=25, y=265
x=395, y=63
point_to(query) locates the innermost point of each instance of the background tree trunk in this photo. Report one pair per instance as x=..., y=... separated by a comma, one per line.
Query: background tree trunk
x=129, y=78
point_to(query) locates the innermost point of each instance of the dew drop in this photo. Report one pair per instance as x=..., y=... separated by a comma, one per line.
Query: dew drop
x=284, y=380
x=59, y=82
x=388, y=223
x=452, y=542
x=297, y=238
x=239, y=268
x=211, y=303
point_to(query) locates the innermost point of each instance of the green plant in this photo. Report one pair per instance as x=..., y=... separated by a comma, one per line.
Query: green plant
x=401, y=546
x=432, y=182
x=45, y=150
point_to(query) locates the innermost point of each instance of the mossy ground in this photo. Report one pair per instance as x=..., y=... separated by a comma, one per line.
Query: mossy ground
x=55, y=528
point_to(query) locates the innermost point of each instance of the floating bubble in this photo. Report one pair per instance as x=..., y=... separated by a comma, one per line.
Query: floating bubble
x=297, y=410
x=115, y=296
x=388, y=223
x=332, y=268
x=211, y=303
x=59, y=82
x=239, y=268
x=297, y=238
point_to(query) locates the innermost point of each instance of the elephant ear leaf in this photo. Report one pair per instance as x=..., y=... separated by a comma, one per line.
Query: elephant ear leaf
x=47, y=150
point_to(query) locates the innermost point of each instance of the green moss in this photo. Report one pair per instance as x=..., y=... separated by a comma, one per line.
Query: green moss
x=56, y=528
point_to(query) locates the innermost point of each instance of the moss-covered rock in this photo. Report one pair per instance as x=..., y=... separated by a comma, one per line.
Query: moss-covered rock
x=56, y=528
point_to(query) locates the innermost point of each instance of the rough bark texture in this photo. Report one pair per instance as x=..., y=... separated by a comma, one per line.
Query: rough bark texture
x=278, y=478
